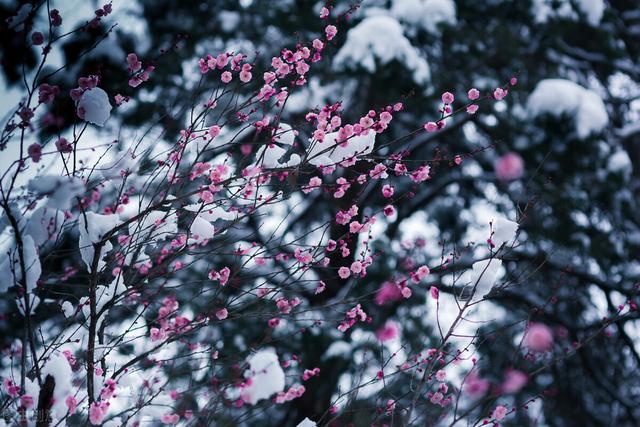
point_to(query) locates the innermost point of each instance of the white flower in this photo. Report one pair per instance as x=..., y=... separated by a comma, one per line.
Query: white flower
x=95, y=106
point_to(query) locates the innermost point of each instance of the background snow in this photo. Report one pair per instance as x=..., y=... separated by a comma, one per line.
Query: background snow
x=376, y=41
x=559, y=96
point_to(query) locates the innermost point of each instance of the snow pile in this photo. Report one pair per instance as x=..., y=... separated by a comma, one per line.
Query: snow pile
x=44, y=225
x=67, y=309
x=593, y=10
x=60, y=190
x=619, y=162
x=426, y=14
x=559, y=96
x=31, y=262
x=264, y=378
x=58, y=367
x=10, y=265
x=94, y=106
x=210, y=213
x=201, y=230
x=156, y=225
x=483, y=276
x=327, y=152
x=380, y=39
x=93, y=227
x=504, y=231
x=268, y=156
x=104, y=294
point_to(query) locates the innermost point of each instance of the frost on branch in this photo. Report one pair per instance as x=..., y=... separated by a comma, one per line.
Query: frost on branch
x=563, y=97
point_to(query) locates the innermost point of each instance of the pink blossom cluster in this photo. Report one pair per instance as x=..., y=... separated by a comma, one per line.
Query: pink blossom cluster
x=138, y=75
x=352, y=316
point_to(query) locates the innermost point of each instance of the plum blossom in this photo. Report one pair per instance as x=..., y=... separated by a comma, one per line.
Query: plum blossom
x=388, y=332
x=538, y=337
x=509, y=167
x=499, y=412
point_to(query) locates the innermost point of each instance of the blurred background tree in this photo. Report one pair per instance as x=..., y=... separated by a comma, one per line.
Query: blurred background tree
x=576, y=199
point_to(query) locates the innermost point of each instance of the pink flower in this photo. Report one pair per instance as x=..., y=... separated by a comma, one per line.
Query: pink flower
x=224, y=275
x=72, y=404
x=423, y=271
x=356, y=267
x=97, y=412
x=473, y=94
x=499, y=413
x=344, y=272
x=133, y=62
x=388, y=332
x=35, y=152
x=47, y=93
x=26, y=400
x=37, y=38
x=441, y=375
x=499, y=93
x=388, y=292
x=214, y=131
x=431, y=127
x=436, y=398
x=330, y=31
x=324, y=12
x=273, y=322
x=509, y=167
x=474, y=385
x=387, y=190
x=406, y=292
x=245, y=76
x=514, y=381
x=447, y=98
x=26, y=114
x=222, y=314
x=56, y=19
x=226, y=77
x=538, y=337
x=314, y=182
x=435, y=293
x=471, y=109
x=170, y=418
x=156, y=334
